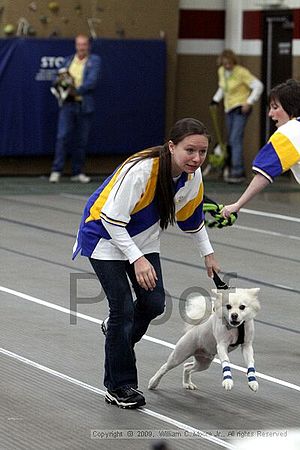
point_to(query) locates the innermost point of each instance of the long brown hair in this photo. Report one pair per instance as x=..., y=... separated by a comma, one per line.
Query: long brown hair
x=164, y=191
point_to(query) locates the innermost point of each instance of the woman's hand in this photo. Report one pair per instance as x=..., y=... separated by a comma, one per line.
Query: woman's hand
x=211, y=265
x=246, y=108
x=229, y=209
x=145, y=273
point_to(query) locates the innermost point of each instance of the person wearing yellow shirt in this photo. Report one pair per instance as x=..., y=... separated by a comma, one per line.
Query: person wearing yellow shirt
x=239, y=89
x=76, y=112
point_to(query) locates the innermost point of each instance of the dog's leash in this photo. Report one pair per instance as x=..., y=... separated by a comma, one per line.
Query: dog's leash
x=220, y=284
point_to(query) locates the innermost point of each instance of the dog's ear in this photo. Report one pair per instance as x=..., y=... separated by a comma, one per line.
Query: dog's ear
x=254, y=291
x=254, y=302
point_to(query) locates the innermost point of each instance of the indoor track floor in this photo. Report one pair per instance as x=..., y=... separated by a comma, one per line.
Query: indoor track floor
x=51, y=390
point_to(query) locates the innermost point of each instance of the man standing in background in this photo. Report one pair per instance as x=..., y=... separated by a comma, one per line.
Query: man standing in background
x=76, y=113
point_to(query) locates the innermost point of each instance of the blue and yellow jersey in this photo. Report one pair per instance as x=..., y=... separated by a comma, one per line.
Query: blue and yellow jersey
x=281, y=153
x=127, y=199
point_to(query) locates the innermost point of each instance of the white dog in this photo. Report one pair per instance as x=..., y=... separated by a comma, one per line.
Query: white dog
x=229, y=325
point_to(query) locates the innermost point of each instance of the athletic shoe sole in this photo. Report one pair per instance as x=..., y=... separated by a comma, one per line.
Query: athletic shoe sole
x=125, y=405
x=103, y=328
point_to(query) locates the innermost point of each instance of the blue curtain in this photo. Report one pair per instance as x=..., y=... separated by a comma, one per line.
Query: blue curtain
x=130, y=97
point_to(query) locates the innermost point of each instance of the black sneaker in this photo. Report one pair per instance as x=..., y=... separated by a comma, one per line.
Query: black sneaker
x=104, y=326
x=128, y=398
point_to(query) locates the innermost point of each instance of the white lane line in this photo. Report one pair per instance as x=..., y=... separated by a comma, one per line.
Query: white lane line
x=254, y=212
x=145, y=337
x=251, y=229
x=270, y=233
x=271, y=215
x=239, y=227
x=98, y=391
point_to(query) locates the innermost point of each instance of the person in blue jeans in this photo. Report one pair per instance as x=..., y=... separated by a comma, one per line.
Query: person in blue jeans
x=120, y=234
x=239, y=89
x=76, y=112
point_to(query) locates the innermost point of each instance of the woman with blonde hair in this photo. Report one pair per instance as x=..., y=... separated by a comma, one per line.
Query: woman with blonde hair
x=239, y=89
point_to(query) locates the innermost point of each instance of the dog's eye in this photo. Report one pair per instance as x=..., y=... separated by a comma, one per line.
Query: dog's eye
x=242, y=307
x=228, y=307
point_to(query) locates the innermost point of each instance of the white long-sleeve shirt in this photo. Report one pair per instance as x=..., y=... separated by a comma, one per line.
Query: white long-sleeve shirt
x=121, y=220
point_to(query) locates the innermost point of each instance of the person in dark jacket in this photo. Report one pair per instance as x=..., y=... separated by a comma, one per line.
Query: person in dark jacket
x=76, y=111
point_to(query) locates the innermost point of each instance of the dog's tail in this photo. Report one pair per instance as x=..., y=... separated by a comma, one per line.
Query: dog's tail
x=198, y=309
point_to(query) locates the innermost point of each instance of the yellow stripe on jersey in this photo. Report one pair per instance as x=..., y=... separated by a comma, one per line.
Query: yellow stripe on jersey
x=148, y=196
x=96, y=209
x=100, y=202
x=285, y=150
x=188, y=210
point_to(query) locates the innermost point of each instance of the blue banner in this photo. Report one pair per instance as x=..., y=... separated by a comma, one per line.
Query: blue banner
x=130, y=97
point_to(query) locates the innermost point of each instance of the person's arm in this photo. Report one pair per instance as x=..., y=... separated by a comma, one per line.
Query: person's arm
x=203, y=244
x=144, y=271
x=91, y=79
x=257, y=88
x=218, y=96
x=115, y=215
x=121, y=238
x=258, y=183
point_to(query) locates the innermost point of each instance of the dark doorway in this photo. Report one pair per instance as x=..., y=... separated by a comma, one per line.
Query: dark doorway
x=277, y=59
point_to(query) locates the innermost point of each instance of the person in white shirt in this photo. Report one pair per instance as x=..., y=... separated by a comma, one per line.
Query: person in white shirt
x=120, y=234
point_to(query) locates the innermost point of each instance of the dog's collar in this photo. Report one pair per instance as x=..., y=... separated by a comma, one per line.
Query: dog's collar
x=241, y=334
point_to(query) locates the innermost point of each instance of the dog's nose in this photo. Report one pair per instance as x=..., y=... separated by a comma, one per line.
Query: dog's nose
x=234, y=316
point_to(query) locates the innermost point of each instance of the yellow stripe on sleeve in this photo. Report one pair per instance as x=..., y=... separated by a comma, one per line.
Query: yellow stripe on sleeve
x=103, y=196
x=188, y=210
x=285, y=150
x=148, y=196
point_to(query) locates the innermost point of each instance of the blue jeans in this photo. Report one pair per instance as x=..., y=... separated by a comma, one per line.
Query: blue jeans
x=72, y=136
x=236, y=123
x=128, y=319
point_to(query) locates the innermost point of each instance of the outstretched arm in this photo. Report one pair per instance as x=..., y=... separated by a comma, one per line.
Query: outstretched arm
x=203, y=244
x=211, y=265
x=258, y=183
